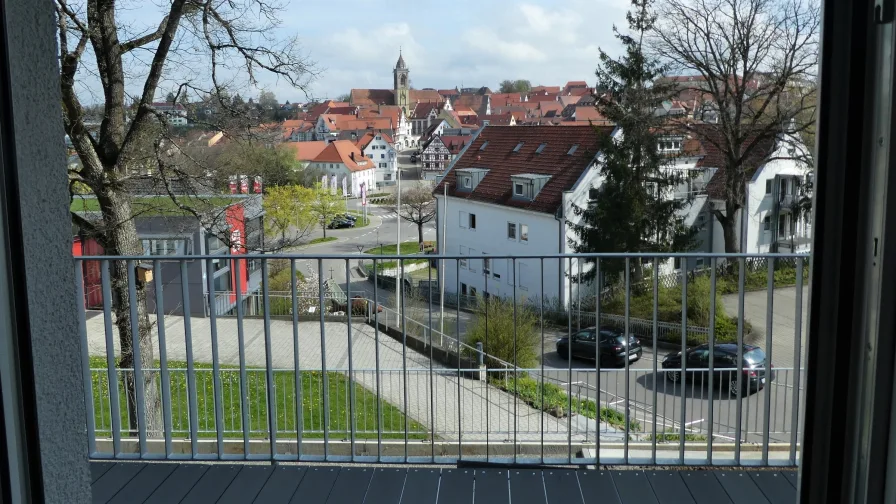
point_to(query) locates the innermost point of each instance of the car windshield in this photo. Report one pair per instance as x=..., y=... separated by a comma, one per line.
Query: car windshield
x=755, y=356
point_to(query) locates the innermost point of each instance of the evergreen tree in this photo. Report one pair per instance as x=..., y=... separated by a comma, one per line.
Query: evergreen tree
x=634, y=210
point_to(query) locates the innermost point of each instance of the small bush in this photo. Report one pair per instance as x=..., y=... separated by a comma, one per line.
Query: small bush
x=494, y=324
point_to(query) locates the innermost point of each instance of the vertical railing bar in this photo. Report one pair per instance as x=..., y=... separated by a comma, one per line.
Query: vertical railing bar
x=457, y=342
x=353, y=426
x=268, y=356
x=740, y=355
x=376, y=351
x=770, y=312
x=163, y=356
x=139, y=383
x=684, y=355
x=241, y=344
x=432, y=406
x=541, y=387
x=216, y=366
x=487, y=350
x=578, y=298
x=627, y=331
x=597, y=324
x=797, y=348
x=569, y=366
x=515, y=363
x=300, y=420
x=191, y=368
x=325, y=382
x=712, y=352
x=87, y=373
x=399, y=284
x=656, y=291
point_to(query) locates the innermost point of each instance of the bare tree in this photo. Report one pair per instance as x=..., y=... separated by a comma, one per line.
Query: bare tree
x=418, y=206
x=192, y=40
x=754, y=65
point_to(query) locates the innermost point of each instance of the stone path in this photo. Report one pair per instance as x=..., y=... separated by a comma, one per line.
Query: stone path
x=439, y=400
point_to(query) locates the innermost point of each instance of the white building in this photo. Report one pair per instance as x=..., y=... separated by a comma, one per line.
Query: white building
x=776, y=179
x=381, y=149
x=344, y=160
x=510, y=193
x=176, y=113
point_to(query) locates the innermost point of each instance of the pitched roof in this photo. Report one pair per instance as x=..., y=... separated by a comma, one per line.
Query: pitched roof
x=545, y=107
x=449, y=92
x=372, y=97
x=368, y=137
x=499, y=158
x=498, y=119
x=505, y=98
x=350, y=122
x=543, y=97
x=422, y=110
x=456, y=143
x=304, y=151
x=714, y=157
x=476, y=102
x=347, y=153
x=546, y=89
x=569, y=100
x=424, y=95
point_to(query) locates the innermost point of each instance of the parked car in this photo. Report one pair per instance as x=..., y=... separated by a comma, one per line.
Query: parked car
x=615, y=348
x=725, y=367
x=349, y=217
x=340, y=224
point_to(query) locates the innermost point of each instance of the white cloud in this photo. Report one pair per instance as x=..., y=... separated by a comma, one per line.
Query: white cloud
x=488, y=42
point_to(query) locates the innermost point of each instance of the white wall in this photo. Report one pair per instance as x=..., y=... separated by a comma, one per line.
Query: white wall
x=491, y=237
x=381, y=151
x=760, y=204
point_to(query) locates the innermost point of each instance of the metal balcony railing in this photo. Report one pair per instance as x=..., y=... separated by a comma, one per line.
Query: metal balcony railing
x=380, y=374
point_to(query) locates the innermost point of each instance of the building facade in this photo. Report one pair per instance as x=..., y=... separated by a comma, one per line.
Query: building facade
x=381, y=149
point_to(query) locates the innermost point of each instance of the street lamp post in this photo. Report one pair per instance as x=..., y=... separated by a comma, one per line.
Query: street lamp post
x=399, y=281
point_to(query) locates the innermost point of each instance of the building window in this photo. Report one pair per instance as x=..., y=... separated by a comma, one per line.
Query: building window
x=486, y=265
x=782, y=226
x=518, y=189
x=473, y=291
x=462, y=263
x=463, y=289
x=472, y=221
x=768, y=186
x=524, y=233
x=165, y=247
x=511, y=231
x=382, y=156
x=468, y=183
x=766, y=223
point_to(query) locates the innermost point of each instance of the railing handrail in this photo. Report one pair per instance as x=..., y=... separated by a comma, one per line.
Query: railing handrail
x=451, y=257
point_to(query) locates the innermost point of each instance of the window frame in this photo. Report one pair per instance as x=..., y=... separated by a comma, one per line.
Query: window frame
x=512, y=231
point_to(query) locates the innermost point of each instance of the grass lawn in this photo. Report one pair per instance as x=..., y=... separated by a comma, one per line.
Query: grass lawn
x=312, y=397
x=407, y=248
x=321, y=239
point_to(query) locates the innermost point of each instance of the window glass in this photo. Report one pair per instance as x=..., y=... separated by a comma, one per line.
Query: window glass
x=768, y=186
x=511, y=231
x=524, y=232
x=472, y=221
x=766, y=223
x=518, y=189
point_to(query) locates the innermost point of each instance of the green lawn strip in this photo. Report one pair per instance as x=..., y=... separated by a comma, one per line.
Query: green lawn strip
x=672, y=435
x=556, y=401
x=322, y=239
x=407, y=248
x=362, y=221
x=313, y=404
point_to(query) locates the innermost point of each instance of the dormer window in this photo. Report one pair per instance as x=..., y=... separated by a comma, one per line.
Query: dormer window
x=669, y=145
x=468, y=182
x=519, y=189
x=469, y=178
x=518, y=147
x=526, y=186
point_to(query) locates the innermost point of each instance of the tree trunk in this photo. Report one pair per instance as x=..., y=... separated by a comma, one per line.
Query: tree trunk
x=728, y=221
x=122, y=239
x=324, y=227
x=420, y=232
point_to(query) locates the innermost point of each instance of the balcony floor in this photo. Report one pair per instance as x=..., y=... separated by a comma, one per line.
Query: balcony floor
x=133, y=482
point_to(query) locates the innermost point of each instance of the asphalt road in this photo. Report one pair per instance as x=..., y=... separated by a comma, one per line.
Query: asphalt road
x=646, y=388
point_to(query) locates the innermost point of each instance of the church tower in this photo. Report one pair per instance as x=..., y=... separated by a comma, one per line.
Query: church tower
x=401, y=73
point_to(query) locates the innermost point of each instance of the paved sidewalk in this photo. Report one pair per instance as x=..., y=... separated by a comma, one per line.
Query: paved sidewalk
x=434, y=399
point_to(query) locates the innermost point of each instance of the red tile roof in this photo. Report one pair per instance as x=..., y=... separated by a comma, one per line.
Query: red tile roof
x=449, y=92
x=498, y=157
x=304, y=151
x=456, y=143
x=505, y=98
x=546, y=89
x=476, y=102
x=498, y=120
x=345, y=152
x=424, y=95
x=372, y=97
x=422, y=110
x=543, y=97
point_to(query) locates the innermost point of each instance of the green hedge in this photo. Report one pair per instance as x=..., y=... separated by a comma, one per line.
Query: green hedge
x=556, y=401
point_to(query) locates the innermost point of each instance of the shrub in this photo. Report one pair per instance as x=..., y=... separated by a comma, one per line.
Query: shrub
x=493, y=325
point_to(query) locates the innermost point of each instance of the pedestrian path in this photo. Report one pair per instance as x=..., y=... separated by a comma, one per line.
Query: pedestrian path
x=427, y=391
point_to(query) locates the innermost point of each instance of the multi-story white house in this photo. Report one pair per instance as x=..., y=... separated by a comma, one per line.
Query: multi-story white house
x=511, y=192
x=343, y=160
x=381, y=149
x=771, y=220
x=176, y=113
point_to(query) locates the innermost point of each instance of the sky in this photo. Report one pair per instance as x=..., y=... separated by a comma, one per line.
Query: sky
x=464, y=43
